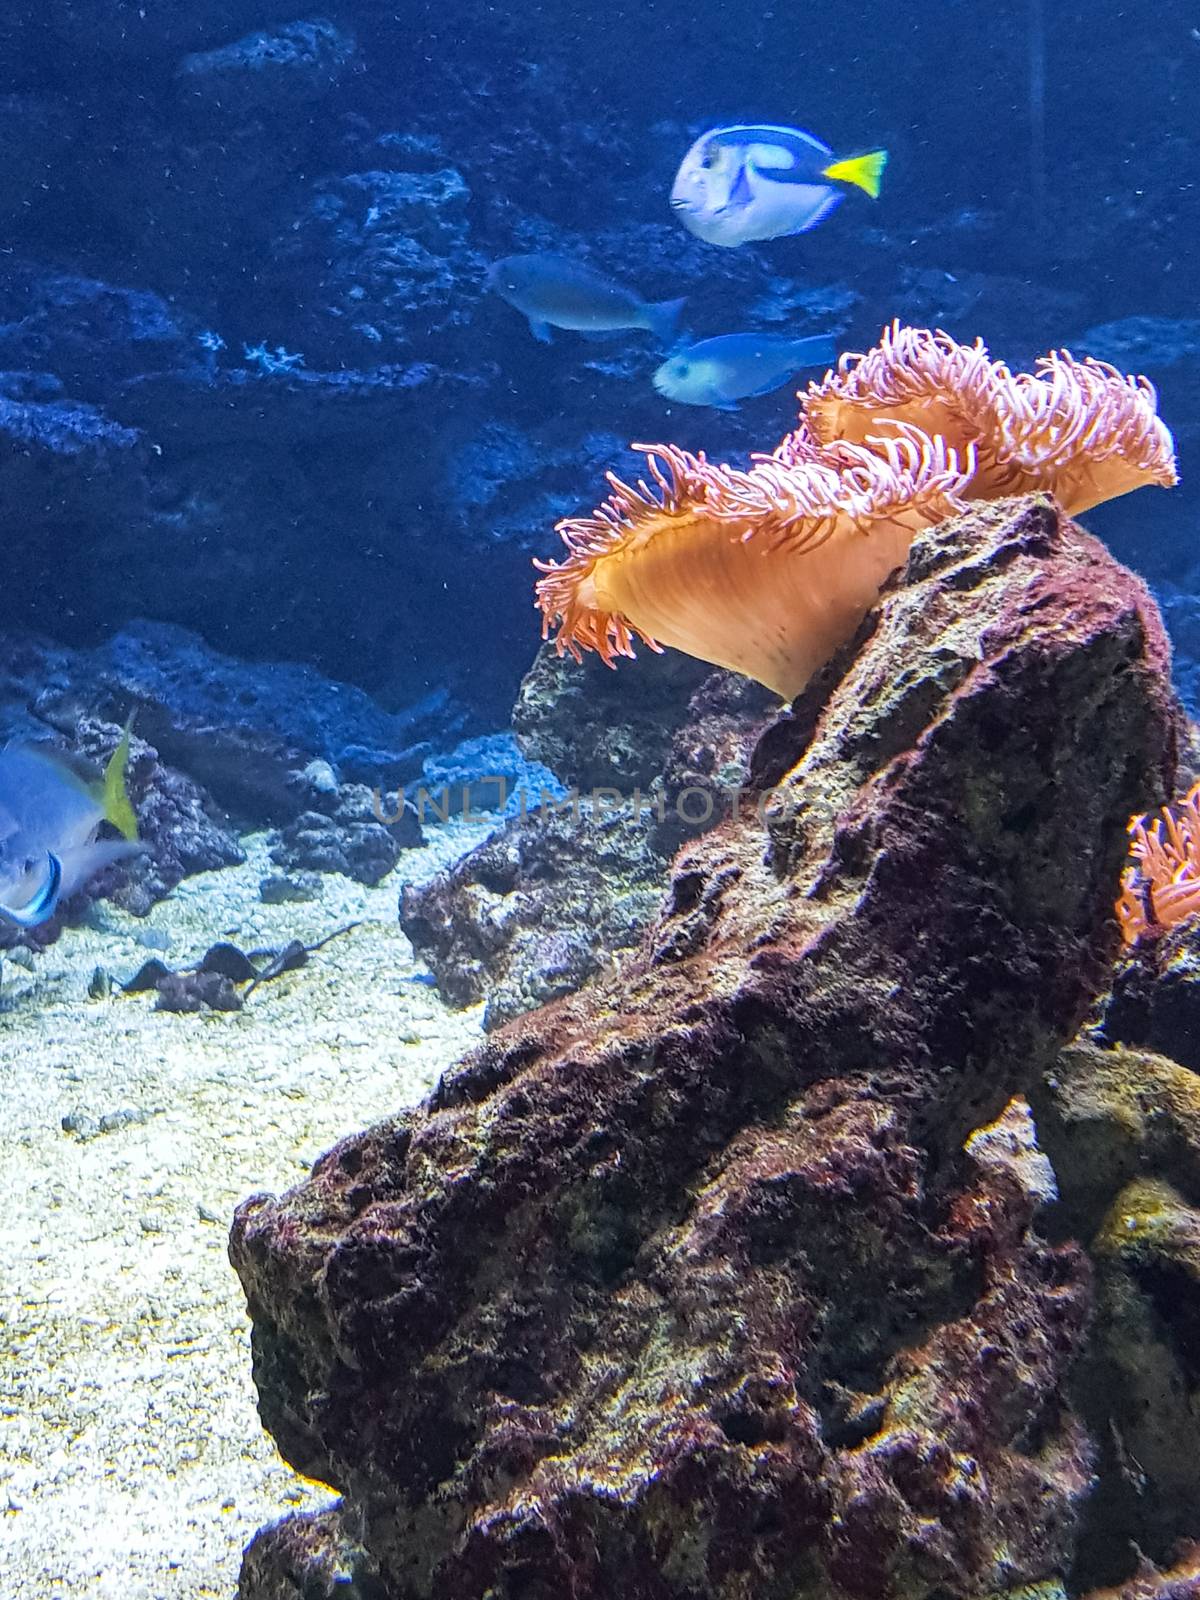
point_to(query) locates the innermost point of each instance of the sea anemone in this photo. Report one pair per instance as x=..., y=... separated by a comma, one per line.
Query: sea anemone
x=1161, y=885
x=767, y=571
x=1078, y=429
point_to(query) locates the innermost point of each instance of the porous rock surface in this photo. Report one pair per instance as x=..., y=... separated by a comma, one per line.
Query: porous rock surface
x=531, y=913
x=566, y=885
x=349, y=830
x=1180, y=1581
x=594, y=727
x=1155, y=998
x=180, y=825
x=1122, y=1127
x=682, y=1286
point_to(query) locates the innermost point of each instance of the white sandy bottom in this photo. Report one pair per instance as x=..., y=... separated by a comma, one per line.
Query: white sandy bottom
x=132, y=1461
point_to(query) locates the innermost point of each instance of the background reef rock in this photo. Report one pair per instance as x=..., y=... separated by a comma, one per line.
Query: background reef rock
x=179, y=823
x=534, y=911
x=267, y=738
x=606, y=1314
x=1155, y=998
x=251, y=382
x=599, y=728
x=347, y=836
x=220, y=744
x=574, y=877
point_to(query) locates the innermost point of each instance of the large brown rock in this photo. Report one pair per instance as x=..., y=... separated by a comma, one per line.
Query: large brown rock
x=684, y=1287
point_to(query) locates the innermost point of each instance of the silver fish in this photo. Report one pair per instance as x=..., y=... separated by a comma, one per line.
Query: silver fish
x=554, y=291
x=763, y=182
x=48, y=823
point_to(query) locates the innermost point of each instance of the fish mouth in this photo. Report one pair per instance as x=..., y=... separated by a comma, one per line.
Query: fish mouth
x=680, y=205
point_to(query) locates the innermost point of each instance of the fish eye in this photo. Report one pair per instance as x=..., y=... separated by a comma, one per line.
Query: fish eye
x=708, y=161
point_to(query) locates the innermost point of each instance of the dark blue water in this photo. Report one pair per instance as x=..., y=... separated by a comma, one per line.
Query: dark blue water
x=365, y=492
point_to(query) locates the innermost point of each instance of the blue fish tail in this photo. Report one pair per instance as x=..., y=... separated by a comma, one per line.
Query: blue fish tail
x=662, y=318
x=819, y=350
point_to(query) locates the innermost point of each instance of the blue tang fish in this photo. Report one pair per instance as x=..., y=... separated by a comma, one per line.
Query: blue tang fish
x=762, y=182
x=556, y=292
x=48, y=823
x=735, y=366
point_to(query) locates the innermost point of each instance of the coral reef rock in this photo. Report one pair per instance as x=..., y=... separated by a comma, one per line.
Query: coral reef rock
x=1181, y=1581
x=348, y=830
x=1123, y=1130
x=595, y=729
x=298, y=61
x=1155, y=999
x=535, y=910
x=252, y=733
x=708, y=762
x=179, y=825
x=487, y=773
x=178, y=821
x=683, y=1286
x=575, y=875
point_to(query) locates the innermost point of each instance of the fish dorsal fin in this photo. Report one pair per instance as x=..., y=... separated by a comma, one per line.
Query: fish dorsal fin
x=777, y=134
x=114, y=796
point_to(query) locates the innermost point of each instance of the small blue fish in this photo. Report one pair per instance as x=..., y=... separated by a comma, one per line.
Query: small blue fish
x=764, y=182
x=48, y=823
x=736, y=366
x=554, y=291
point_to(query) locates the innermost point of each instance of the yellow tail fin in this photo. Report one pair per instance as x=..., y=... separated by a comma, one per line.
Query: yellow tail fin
x=117, y=807
x=865, y=171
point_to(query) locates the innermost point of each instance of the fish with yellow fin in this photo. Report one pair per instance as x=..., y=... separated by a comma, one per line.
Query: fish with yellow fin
x=49, y=818
x=760, y=181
